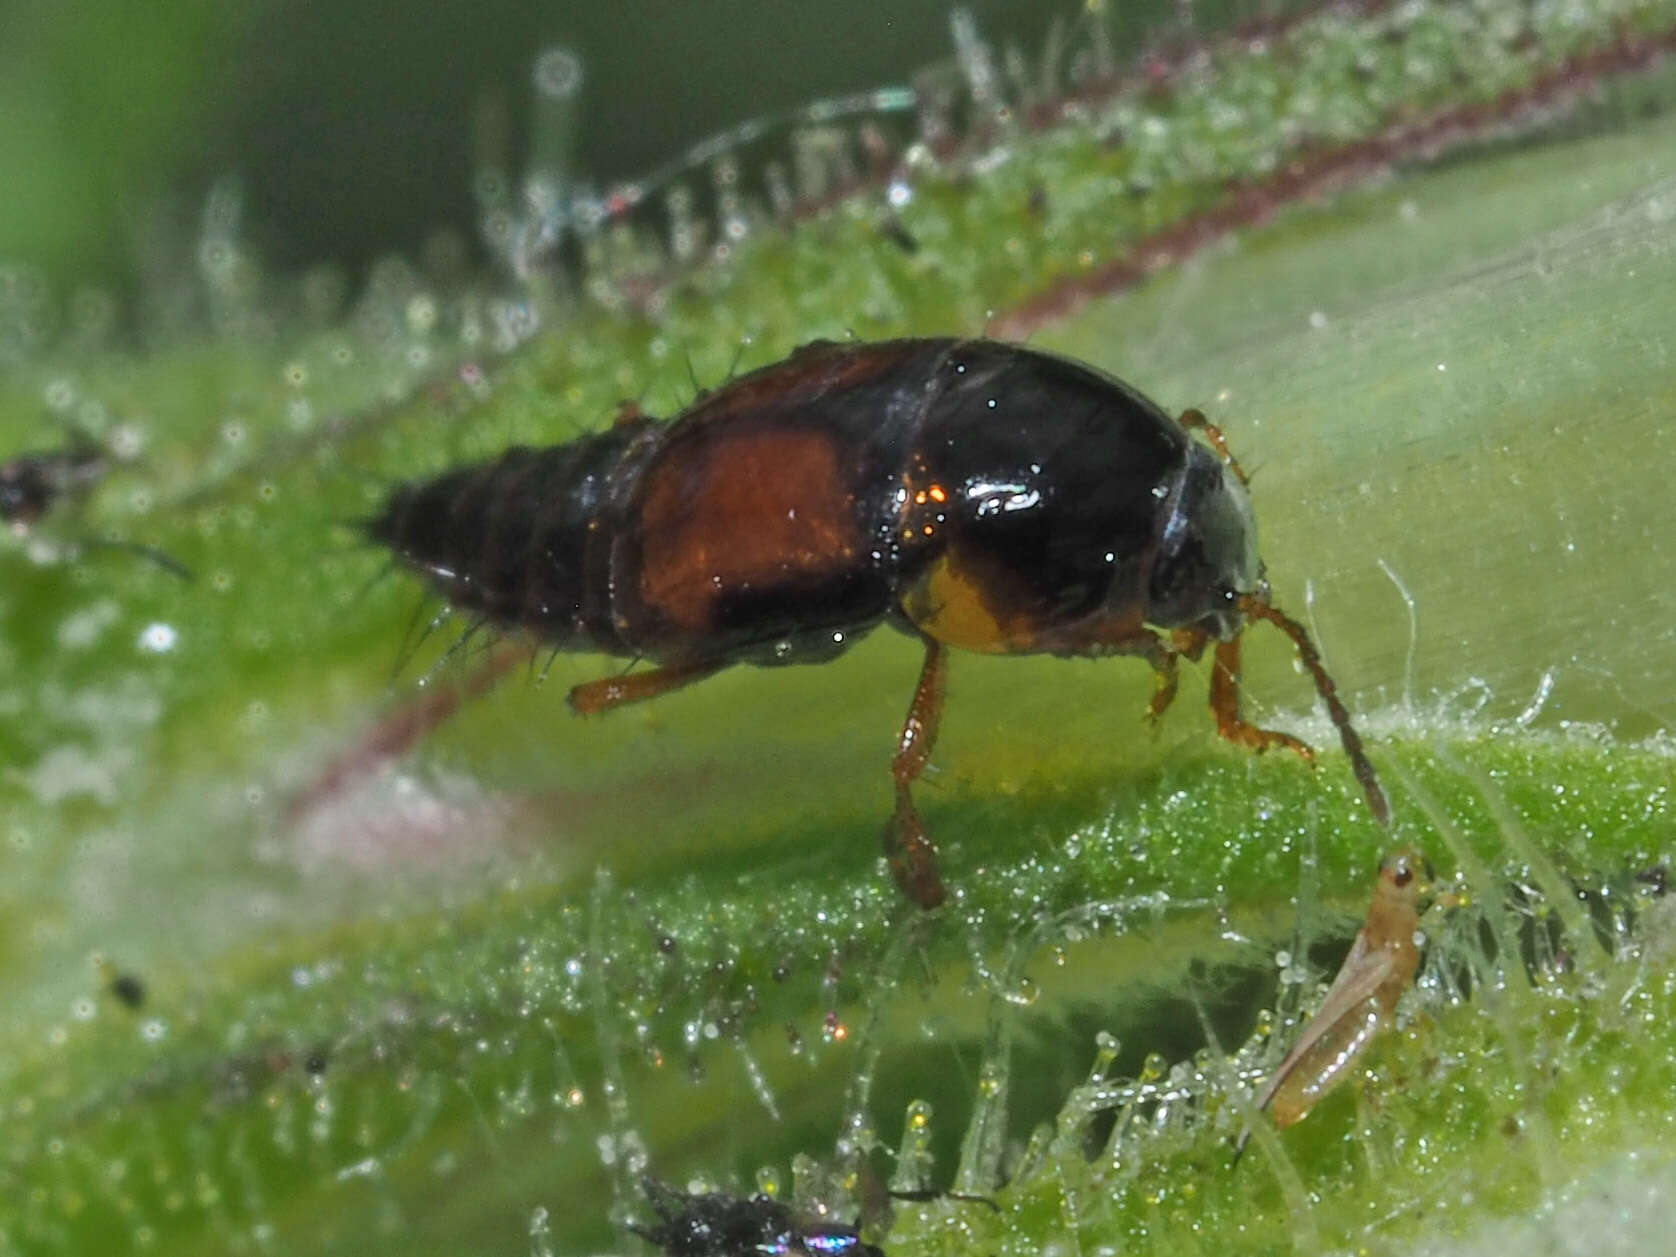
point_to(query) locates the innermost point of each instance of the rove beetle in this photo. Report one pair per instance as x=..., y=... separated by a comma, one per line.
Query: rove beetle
x=975, y=494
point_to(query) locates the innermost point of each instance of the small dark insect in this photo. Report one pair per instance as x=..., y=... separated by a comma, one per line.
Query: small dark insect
x=1656, y=878
x=1363, y=997
x=894, y=230
x=33, y=483
x=975, y=494
x=714, y=1224
x=128, y=990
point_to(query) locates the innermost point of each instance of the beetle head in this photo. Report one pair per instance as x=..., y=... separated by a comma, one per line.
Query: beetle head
x=1207, y=550
x=1403, y=866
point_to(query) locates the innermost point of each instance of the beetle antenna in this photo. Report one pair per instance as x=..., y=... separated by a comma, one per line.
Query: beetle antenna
x=1378, y=804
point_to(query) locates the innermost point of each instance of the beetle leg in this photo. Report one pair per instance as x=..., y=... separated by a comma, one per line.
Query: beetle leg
x=634, y=687
x=913, y=859
x=1166, y=676
x=1165, y=680
x=1161, y=656
x=1189, y=641
x=1225, y=703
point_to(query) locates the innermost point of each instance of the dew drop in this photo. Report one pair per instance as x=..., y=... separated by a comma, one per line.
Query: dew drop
x=557, y=73
x=59, y=394
x=157, y=639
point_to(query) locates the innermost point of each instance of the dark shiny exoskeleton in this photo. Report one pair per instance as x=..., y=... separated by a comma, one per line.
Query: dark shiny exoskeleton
x=976, y=494
x=716, y=1225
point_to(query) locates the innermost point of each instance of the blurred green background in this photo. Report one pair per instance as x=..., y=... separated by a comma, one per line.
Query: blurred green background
x=351, y=124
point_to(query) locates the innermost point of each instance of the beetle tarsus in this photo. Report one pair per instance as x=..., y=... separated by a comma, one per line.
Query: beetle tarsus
x=1166, y=673
x=912, y=855
x=1164, y=689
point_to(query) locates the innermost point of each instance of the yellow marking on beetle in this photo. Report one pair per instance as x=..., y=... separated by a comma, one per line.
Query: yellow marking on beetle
x=948, y=605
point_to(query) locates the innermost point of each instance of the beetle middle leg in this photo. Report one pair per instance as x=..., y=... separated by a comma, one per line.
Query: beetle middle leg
x=594, y=697
x=913, y=858
x=1225, y=704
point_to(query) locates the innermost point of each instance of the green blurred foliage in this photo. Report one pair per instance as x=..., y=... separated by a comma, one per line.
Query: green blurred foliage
x=103, y=106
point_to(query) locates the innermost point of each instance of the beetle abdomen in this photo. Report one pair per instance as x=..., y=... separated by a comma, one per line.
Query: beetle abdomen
x=512, y=539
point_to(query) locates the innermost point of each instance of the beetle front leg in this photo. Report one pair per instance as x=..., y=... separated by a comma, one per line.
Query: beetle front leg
x=1162, y=657
x=1166, y=674
x=1225, y=703
x=913, y=858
